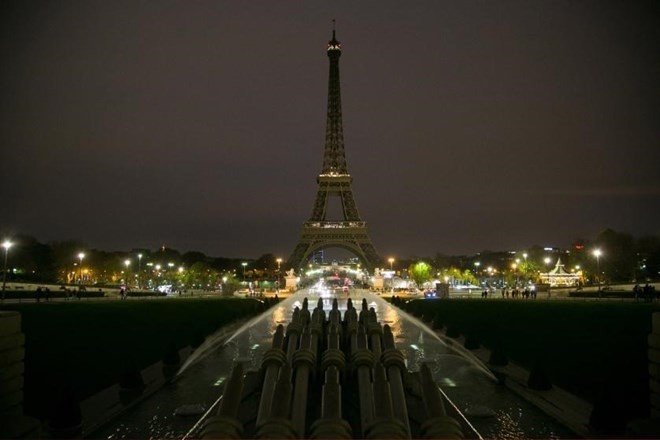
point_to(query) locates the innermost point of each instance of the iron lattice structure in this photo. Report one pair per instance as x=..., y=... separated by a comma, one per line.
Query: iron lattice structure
x=334, y=181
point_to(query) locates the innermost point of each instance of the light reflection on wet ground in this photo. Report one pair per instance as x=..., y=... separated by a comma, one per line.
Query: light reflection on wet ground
x=496, y=412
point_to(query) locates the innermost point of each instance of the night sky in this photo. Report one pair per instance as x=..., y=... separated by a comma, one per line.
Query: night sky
x=468, y=125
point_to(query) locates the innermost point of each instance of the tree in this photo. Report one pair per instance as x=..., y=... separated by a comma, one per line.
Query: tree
x=192, y=257
x=32, y=260
x=648, y=255
x=65, y=257
x=619, y=256
x=266, y=263
x=420, y=272
x=199, y=276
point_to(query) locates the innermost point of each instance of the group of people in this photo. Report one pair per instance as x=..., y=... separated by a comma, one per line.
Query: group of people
x=45, y=291
x=646, y=293
x=515, y=293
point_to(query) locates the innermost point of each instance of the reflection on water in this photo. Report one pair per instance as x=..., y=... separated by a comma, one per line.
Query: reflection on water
x=495, y=412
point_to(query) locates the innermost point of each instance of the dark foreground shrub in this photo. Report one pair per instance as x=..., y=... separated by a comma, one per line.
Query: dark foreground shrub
x=471, y=343
x=498, y=358
x=538, y=378
x=452, y=332
x=437, y=322
x=171, y=356
x=131, y=378
x=65, y=415
x=197, y=339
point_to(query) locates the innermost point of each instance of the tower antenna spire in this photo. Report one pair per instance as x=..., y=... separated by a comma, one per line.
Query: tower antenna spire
x=333, y=28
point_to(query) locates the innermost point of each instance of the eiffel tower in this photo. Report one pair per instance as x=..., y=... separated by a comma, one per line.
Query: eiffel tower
x=334, y=181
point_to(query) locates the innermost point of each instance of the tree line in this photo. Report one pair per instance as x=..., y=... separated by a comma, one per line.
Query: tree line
x=59, y=262
x=625, y=258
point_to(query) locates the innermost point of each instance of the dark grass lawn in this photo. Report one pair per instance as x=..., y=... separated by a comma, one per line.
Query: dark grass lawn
x=595, y=349
x=88, y=344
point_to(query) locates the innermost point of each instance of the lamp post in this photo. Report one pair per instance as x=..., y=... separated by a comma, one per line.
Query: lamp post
x=279, y=262
x=514, y=266
x=127, y=263
x=81, y=255
x=243, y=264
x=5, y=244
x=597, y=253
x=139, y=283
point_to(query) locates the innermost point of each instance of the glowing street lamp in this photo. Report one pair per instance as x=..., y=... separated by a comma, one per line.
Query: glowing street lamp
x=5, y=244
x=139, y=270
x=279, y=262
x=243, y=264
x=597, y=253
x=81, y=255
x=391, y=261
x=127, y=263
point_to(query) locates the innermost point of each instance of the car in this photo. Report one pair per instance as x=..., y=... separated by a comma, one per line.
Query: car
x=430, y=294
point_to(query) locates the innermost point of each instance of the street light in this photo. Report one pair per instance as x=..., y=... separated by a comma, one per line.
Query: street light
x=243, y=264
x=391, y=261
x=5, y=244
x=279, y=262
x=81, y=255
x=597, y=253
x=139, y=270
x=127, y=263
